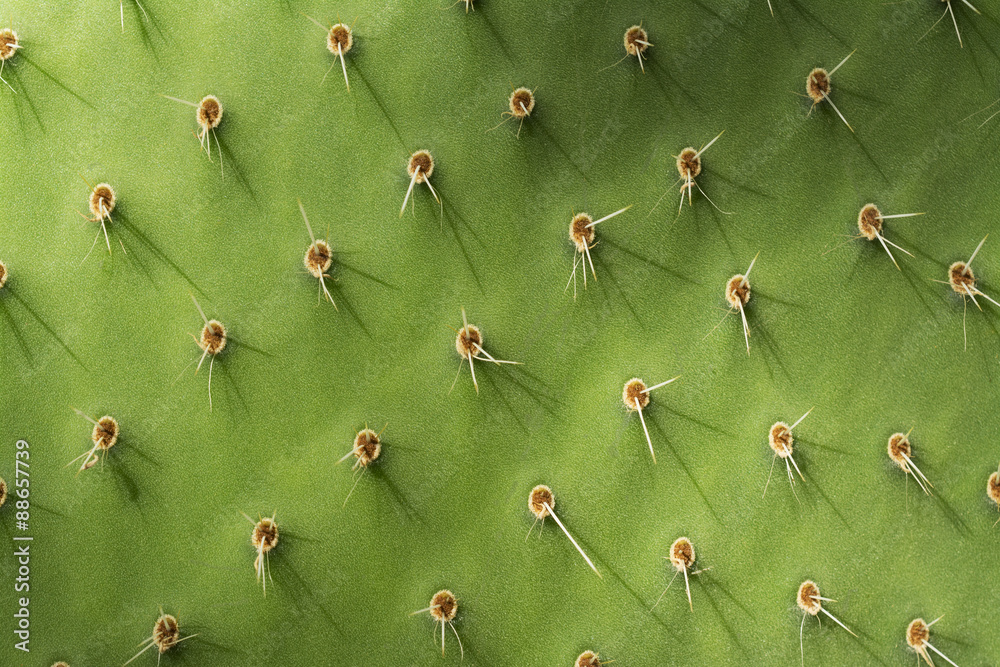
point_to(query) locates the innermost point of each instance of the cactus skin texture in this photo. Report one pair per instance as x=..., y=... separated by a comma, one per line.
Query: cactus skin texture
x=874, y=350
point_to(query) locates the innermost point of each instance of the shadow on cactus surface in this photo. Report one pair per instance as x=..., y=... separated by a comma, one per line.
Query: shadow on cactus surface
x=156, y=522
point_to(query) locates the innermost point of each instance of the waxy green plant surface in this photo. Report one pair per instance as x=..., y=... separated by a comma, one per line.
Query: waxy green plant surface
x=873, y=349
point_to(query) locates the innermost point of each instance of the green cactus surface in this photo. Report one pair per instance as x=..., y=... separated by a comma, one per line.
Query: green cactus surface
x=160, y=520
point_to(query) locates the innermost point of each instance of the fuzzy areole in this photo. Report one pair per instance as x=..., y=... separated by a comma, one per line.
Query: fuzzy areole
x=899, y=449
x=367, y=447
x=213, y=337
x=738, y=291
x=808, y=598
x=918, y=633
x=209, y=113
x=818, y=84
x=468, y=337
x=780, y=439
x=264, y=535
x=166, y=633
x=961, y=278
x=992, y=487
x=340, y=39
x=870, y=221
x=635, y=392
x=105, y=433
x=423, y=162
x=636, y=40
x=682, y=554
x=102, y=201
x=580, y=234
x=318, y=258
x=539, y=497
x=9, y=44
x=522, y=103
x=444, y=606
x=688, y=164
